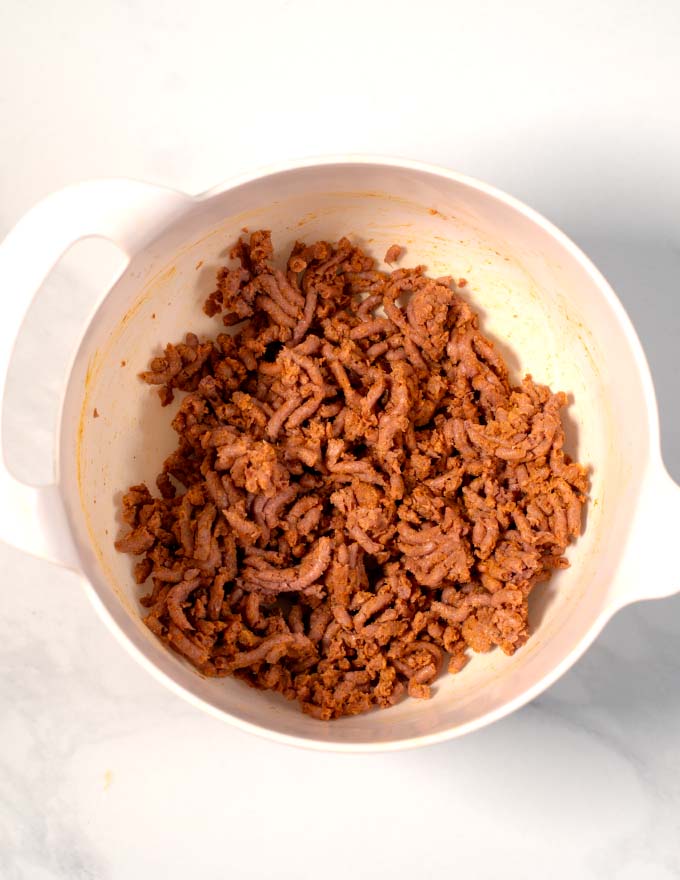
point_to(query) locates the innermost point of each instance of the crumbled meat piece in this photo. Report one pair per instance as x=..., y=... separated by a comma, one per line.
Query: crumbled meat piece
x=357, y=489
x=393, y=253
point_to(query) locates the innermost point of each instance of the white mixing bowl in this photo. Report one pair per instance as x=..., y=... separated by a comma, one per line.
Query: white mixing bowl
x=549, y=310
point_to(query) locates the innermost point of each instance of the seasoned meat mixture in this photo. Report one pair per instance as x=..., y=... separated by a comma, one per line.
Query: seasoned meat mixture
x=359, y=495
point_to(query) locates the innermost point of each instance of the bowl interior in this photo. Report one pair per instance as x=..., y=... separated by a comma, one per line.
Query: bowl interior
x=540, y=304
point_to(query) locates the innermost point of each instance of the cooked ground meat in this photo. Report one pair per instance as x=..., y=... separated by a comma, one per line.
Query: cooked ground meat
x=393, y=253
x=357, y=490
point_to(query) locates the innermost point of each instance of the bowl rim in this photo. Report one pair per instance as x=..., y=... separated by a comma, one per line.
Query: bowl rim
x=652, y=425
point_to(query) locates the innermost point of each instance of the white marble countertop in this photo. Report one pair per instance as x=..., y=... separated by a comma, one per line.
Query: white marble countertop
x=571, y=107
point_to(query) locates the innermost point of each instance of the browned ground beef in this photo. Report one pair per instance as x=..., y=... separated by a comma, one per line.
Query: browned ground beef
x=357, y=491
x=393, y=253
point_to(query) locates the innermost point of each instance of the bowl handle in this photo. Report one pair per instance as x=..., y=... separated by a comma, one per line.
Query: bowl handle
x=645, y=569
x=127, y=212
